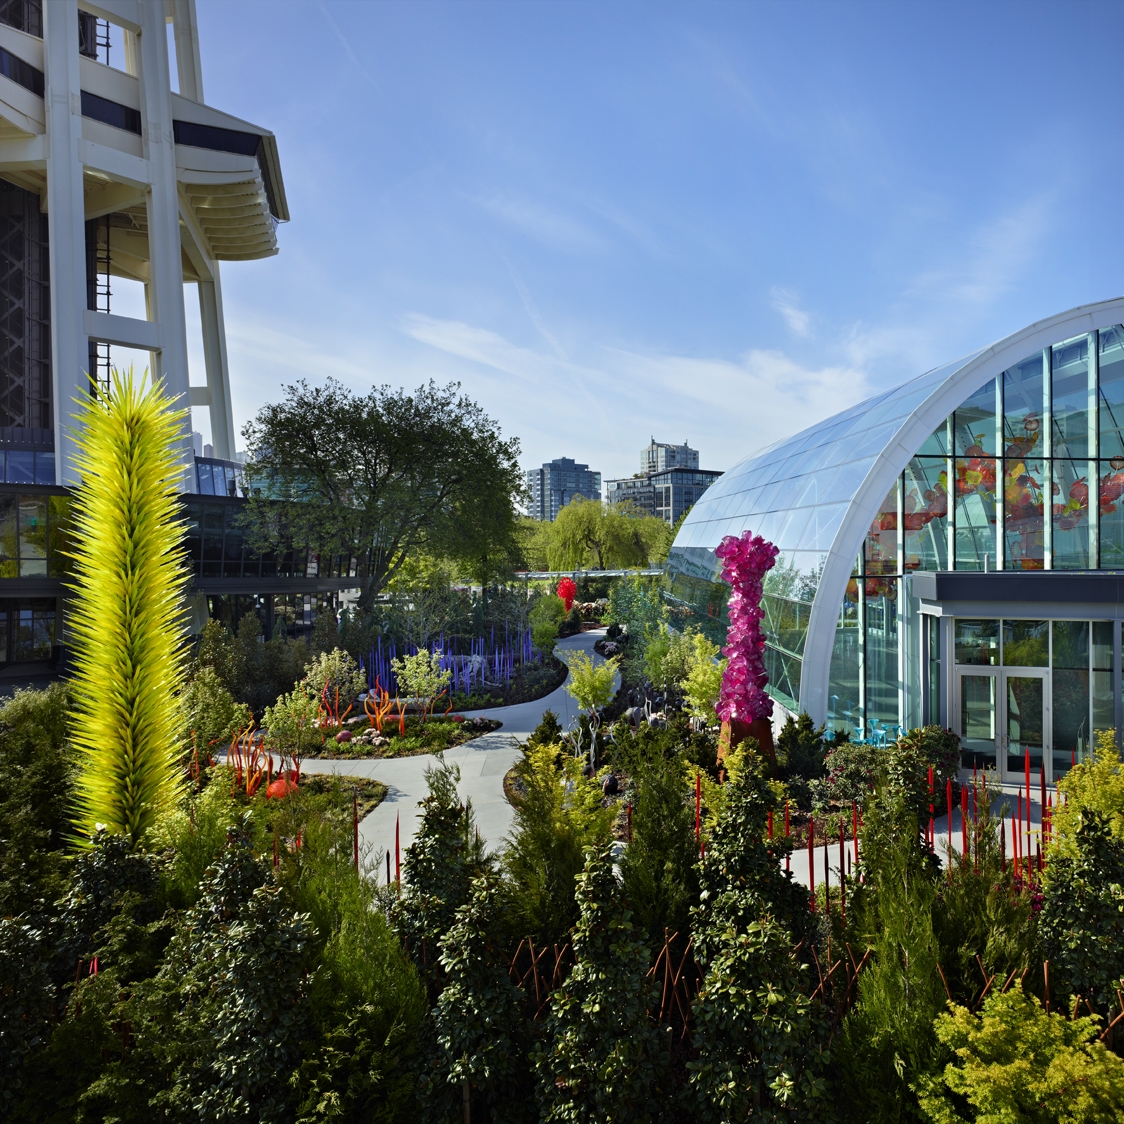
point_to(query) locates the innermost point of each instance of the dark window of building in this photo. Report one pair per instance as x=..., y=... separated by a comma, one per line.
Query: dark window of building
x=109, y=112
x=25, y=312
x=23, y=15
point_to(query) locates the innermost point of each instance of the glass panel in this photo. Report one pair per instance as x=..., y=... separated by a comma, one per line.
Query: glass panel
x=1072, y=396
x=1026, y=643
x=936, y=444
x=784, y=676
x=44, y=468
x=881, y=656
x=933, y=624
x=1104, y=715
x=1024, y=722
x=61, y=539
x=974, y=424
x=975, y=513
x=212, y=541
x=193, y=532
x=3, y=636
x=977, y=642
x=843, y=691
x=1071, y=515
x=206, y=483
x=1024, y=390
x=33, y=536
x=1070, y=686
x=1112, y=512
x=1112, y=392
x=21, y=466
x=232, y=551
x=977, y=721
x=925, y=506
x=1024, y=540
x=9, y=540
x=882, y=539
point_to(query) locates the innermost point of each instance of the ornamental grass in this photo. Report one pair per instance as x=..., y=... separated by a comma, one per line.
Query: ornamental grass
x=126, y=617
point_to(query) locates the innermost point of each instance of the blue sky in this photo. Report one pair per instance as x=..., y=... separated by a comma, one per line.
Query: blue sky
x=718, y=222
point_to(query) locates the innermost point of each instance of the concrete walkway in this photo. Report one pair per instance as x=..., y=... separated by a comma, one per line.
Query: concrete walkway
x=483, y=762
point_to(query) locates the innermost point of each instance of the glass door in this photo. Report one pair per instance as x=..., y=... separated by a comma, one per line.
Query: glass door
x=977, y=717
x=1025, y=695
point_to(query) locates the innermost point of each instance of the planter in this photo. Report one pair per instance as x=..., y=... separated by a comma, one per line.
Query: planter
x=736, y=731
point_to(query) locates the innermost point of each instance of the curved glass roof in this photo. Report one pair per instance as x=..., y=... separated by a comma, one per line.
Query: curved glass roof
x=796, y=492
x=814, y=494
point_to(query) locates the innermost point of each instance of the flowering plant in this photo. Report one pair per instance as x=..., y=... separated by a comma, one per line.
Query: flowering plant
x=567, y=590
x=745, y=562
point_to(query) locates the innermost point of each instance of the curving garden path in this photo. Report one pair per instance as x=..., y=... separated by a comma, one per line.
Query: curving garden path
x=483, y=763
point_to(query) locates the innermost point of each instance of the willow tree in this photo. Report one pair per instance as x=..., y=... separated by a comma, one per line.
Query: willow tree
x=126, y=615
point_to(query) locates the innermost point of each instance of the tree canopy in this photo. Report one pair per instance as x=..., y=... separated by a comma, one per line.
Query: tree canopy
x=382, y=475
x=594, y=535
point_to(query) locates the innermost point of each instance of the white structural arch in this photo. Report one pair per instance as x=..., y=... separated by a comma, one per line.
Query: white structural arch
x=816, y=493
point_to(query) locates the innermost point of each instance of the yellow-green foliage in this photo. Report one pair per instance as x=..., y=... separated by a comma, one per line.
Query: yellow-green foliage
x=1016, y=1064
x=420, y=676
x=704, y=678
x=211, y=717
x=127, y=614
x=1096, y=784
x=590, y=683
x=291, y=721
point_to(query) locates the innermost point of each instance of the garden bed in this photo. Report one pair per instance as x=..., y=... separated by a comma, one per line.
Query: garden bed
x=536, y=682
x=434, y=736
x=369, y=792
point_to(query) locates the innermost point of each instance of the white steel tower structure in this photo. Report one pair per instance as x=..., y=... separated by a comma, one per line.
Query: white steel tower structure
x=106, y=172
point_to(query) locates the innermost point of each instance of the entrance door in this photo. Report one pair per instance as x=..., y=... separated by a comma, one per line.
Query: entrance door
x=1025, y=713
x=1002, y=713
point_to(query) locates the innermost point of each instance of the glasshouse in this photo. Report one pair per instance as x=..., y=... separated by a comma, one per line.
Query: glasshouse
x=951, y=550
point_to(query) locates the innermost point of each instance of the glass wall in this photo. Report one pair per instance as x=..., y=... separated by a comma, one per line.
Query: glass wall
x=1026, y=474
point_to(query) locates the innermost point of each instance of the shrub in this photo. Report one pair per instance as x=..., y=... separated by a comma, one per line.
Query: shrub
x=335, y=680
x=481, y=1036
x=887, y=1042
x=421, y=677
x=1096, y=785
x=291, y=722
x=908, y=761
x=703, y=682
x=546, y=617
x=36, y=784
x=591, y=683
x=1082, y=922
x=761, y=1042
x=852, y=771
x=126, y=616
x=27, y=999
x=1016, y=1062
x=211, y=717
x=440, y=864
x=658, y=867
x=547, y=732
x=599, y=1053
x=557, y=817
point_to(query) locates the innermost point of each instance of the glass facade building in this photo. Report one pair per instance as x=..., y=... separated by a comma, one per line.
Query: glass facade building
x=948, y=549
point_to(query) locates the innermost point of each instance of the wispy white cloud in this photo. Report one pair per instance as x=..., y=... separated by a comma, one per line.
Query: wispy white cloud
x=785, y=302
x=532, y=311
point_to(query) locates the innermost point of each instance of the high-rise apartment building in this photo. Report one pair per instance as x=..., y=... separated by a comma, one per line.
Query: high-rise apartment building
x=659, y=457
x=668, y=484
x=555, y=484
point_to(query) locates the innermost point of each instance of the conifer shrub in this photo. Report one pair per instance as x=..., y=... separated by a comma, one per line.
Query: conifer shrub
x=600, y=1052
x=481, y=1034
x=1014, y=1061
x=557, y=817
x=438, y=868
x=658, y=867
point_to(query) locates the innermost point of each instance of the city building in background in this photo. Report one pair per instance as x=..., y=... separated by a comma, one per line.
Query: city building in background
x=950, y=551
x=149, y=189
x=668, y=484
x=555, y=484
x=659, y=457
